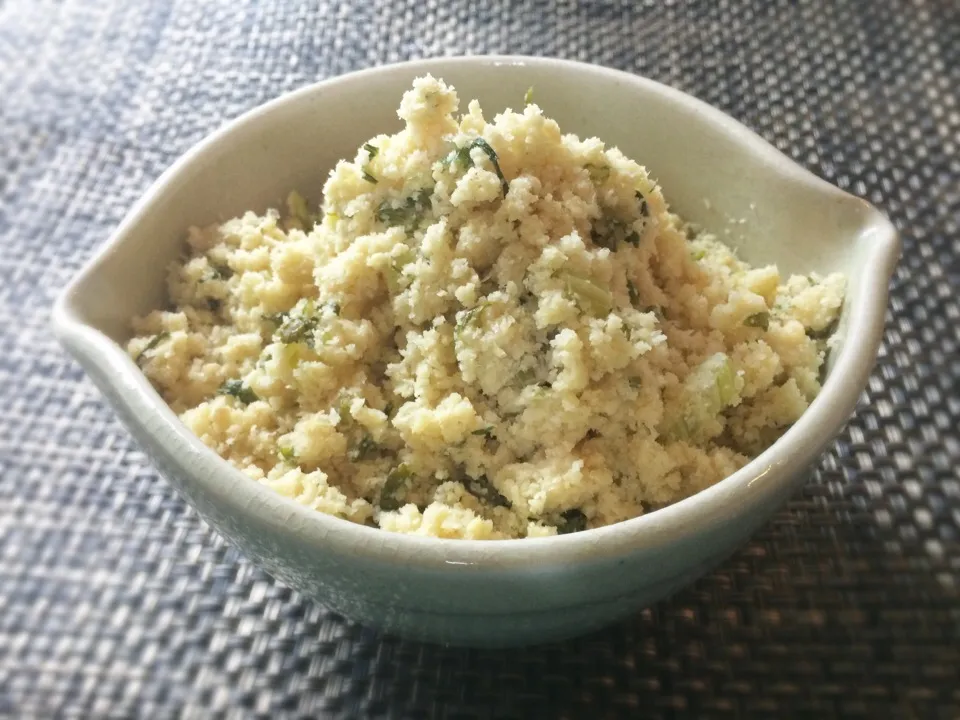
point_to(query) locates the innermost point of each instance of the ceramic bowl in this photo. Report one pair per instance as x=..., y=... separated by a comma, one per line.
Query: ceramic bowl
x=714, y=171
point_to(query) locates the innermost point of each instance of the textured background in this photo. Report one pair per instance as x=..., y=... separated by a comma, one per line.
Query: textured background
x=116, y=600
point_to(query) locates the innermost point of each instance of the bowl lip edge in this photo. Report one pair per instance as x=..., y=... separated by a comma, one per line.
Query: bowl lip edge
x=798, y=446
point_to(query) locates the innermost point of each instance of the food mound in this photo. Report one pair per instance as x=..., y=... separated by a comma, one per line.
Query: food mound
x=488, y=330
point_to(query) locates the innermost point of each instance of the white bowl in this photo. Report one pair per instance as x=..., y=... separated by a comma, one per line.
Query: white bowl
x=497, y=592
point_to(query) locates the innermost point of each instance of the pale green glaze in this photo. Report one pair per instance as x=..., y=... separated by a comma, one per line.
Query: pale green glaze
x=513, y=591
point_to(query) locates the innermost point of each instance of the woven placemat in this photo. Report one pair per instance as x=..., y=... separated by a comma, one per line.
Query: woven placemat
x=117, y=601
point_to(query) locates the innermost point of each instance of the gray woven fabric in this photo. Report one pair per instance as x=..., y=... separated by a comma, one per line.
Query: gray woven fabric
x=117, y=601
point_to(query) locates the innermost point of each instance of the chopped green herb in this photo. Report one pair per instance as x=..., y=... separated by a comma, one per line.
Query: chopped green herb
x=598, y=173
x=634, y=293
x=289, y=355
x=344, y=403
x=528, y=96
x=571, y=521
x=154, y=341
x=526, y=376
x=461, y=157
x=824, y=332
x=709, y=389
x=397, y=480
x=465, y=318
x=483, y=489
x=591, y=297
x=725, y=381
x=642, y=208
x=367, y=176
x=365, y=449
x=649, y=507
x=758, y=320
x=298, y=329
x=388, y=409
x=372, y=150
x=487, y=431
x=698, y=254
x=236, y=388
x=410, y=213
x=394, y=273
x=608, y=231
x=220, y=272
x=604, y=240
x=287, y=453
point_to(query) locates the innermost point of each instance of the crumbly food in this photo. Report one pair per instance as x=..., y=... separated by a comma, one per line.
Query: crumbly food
x=489, y=330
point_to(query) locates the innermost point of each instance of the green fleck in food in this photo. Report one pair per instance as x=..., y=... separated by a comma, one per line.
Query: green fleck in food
x=393, y=487
x=289, y=355
x=603, y=237
x=712, y=387
x=571, y=521
x=642, y=206
x=409, y=213
x=154, y=342
x=465, y=318
x=608, y=231
x=220, y=272
x=598, y=173
x=726, y=383
x=713, y=384
x=588, y=295
x=297, y=329
x=394, y=273
x=372, y=150
x=483, y=489
x=367, y=176
x=698, y=254
x=287, y=453
x=525, y=376
x=460, y=157
x=758, y=320
x=486, y=432
x=633, y=293
x=236, y=388
x=824, y=332
x=364, y=450
x=528, y=96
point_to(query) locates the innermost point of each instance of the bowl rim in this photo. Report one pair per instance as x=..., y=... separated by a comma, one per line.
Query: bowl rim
x=727, y=499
